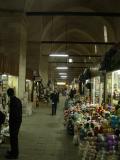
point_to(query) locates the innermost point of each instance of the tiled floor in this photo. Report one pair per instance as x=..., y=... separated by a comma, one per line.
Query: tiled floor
x=43, y=137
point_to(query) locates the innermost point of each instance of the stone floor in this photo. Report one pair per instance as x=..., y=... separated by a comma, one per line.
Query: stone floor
x=43, y=137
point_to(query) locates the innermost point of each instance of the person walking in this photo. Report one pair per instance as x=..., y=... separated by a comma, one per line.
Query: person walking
x=15, y=120
x=54, y=98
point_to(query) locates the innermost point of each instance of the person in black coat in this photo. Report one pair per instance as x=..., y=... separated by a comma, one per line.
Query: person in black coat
x=54, y=98
x=72, y=93
x=15, y=119
x=2, y=118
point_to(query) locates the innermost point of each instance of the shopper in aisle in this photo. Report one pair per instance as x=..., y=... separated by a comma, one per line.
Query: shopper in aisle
x=15, y=119
x=54, y=99
x=58, y=96
x=2, y=118
x=72, y=93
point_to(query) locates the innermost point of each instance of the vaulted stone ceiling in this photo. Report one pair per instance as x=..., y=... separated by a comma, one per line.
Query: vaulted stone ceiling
x=61, y=28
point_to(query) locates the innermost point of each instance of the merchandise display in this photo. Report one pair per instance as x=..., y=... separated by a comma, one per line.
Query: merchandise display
x=95, y=127
x=95, y=93
x=40, y=93
x=4, y=127
x=13, y=83
x=113, y=87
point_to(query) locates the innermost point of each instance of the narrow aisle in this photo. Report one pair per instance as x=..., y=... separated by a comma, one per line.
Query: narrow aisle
x=43, y=137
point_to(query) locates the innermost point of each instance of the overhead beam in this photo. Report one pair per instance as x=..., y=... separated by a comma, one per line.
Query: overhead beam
x=80, y=55
x=84, y=14
x=77, y=67
x=70, y=72
x=79, y=42
x=71, y=63
x=20, y=11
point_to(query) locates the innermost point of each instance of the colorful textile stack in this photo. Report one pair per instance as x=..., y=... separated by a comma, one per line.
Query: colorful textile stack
x=95, y=129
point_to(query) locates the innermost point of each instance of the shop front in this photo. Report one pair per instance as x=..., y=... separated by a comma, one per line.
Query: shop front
x=96, y=90
x=113, y=87
x=111, y=65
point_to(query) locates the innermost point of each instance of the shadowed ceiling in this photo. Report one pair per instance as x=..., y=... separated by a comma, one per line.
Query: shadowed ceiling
x=60, y=28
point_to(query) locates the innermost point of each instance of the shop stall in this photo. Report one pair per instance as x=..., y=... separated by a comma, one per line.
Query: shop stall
x=29, y=88
x=111, y=66
x=95, y=129
x=13, y=83
x=91, y=85
x=10, y=81
x=85, y=83
x=96, y=89
x=113, y=87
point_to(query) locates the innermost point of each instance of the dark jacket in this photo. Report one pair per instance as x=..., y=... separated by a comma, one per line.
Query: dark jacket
x=15, y=110
x=2, y=118
x=54, y=97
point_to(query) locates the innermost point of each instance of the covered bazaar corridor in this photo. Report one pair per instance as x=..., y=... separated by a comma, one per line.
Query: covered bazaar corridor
x=67, y=47
x=44, y=137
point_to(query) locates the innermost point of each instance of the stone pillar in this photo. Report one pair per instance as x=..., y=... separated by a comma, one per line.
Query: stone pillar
x=22, y=61
x=43, y=69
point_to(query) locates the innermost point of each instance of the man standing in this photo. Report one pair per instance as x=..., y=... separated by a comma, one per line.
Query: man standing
x=54, y=98
x=15, y=119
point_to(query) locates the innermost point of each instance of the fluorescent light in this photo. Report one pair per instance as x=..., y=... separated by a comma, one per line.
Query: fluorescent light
x=96, y=49
x=61, y=67
x=70, y=60
x=63, y=78
x=58, y=55
x=62, y=74
x=105, y=34
x=4, y=75
x=61, y=83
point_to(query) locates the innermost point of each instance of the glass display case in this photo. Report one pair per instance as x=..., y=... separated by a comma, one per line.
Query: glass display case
x=95, y=90
x=101, y=92
x=116, y=86
x=113, y=87
x=109, y=87
x=13, y=83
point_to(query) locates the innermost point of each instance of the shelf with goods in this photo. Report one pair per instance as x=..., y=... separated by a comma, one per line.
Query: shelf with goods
x=40, y=91
x=27, y=105
x=110, y=65
x=113, y=87
x=96, y=89
x=95, y=128
x=6, y=81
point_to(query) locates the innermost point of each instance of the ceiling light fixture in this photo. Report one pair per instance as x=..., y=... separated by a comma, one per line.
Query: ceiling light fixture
x=63, y=77
x=70, y=60
x=58, y=55
x=62, y=74
x=61, y=83
x=62, y=68
x=4, y=75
